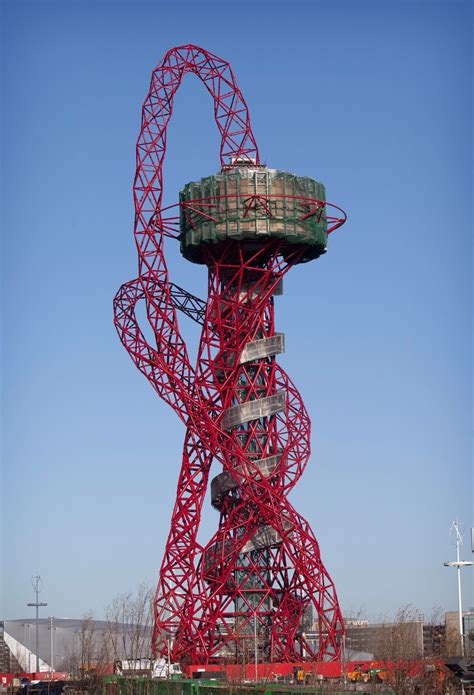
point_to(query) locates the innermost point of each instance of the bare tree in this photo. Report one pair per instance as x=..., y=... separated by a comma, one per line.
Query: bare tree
x=125, y=635
x=88, y=657
x=400, y=647
x=130, y=625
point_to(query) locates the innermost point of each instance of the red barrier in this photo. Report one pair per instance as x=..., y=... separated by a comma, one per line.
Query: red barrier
x=6, y=678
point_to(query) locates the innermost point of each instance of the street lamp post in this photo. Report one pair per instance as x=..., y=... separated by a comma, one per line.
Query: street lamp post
x=51, y=641
x=459, y=564
x=36, y=581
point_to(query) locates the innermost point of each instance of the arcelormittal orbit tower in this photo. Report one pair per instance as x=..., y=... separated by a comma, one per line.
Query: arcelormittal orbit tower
x=260, y=579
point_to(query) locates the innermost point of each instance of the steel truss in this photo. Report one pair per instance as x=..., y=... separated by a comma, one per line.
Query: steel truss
x=260, y=579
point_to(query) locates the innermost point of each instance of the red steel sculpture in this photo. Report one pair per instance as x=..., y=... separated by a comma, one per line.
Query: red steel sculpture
x=259, y=583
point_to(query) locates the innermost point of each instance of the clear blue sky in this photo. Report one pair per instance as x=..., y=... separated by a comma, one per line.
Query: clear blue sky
x=373, y=99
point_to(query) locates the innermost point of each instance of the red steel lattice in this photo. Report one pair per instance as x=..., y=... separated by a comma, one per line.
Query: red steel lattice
x=260, y=579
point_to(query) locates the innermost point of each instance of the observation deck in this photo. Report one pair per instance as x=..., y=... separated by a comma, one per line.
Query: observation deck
x=252, y=204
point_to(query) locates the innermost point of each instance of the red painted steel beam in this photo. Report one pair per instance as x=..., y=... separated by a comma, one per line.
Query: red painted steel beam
x=261, y=575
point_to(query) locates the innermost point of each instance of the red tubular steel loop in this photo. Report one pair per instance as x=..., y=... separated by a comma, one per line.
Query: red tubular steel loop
x=261, y=574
